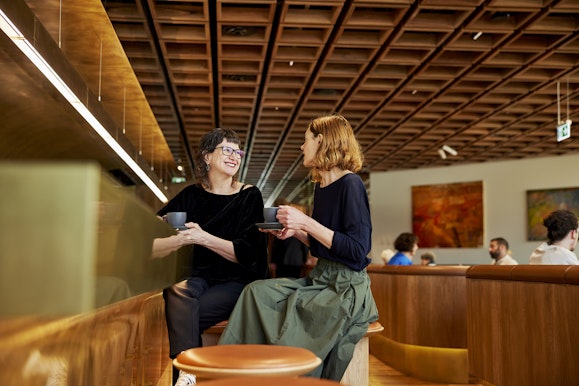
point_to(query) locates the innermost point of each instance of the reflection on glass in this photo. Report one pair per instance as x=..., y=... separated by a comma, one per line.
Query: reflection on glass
x=80, y=294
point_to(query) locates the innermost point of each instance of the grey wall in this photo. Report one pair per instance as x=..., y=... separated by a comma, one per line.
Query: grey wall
x=504, y=188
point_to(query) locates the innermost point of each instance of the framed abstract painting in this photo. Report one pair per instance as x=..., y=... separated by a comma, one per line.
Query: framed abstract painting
x=448, y=215
x=541, y=202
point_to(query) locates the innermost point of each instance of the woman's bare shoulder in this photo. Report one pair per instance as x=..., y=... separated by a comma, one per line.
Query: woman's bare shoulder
x=246, y=186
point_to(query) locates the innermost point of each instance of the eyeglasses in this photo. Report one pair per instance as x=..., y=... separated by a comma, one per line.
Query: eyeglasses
x=226, y=150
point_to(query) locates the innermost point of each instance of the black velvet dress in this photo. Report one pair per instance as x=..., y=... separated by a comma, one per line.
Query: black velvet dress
x=213, y=284
x=230, y=217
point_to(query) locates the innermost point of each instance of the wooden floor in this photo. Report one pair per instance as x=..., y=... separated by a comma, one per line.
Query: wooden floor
x=380, y=374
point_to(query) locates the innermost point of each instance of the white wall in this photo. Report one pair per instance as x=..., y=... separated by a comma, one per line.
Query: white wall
x=504, y=189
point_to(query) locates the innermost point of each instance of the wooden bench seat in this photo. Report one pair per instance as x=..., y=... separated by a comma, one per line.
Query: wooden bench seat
x=358, y=371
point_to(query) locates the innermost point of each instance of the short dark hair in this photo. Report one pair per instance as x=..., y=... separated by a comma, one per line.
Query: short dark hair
x=559, y=223
x=501, y=241
x=208, y=144
x=405, y=242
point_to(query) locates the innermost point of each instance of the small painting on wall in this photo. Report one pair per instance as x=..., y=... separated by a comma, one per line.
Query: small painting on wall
x=542, y=202
x=448, y=215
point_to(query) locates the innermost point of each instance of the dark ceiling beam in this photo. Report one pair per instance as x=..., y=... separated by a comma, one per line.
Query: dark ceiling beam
x=275, y=27
x=145, y=7
x=398, y=30
x=371, y=64
x=496, y=131
x=416, y=71
x=213, y=38
x=512, y=37
x=306, y=91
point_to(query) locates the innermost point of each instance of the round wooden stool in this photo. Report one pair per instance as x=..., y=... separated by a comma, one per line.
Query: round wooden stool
x=243, y=360
x=268, y=381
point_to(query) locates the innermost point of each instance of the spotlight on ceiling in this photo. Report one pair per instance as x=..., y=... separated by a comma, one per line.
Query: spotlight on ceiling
x=477, y=35
x=442, y=153
x=449, y=150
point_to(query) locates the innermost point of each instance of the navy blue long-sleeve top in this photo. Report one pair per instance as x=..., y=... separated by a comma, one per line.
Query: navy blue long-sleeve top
x=343, y=207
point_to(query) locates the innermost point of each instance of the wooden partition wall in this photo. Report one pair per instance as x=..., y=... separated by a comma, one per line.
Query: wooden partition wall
x=124, y=343
x=523, y=324
x=423, y=311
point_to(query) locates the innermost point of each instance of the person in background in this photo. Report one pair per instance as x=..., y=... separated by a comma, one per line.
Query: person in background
x=406, y=245
x=288, y=256
x=562, y=233
x=499, y=251
x=385, y=257
x=428, y=258
x=229, y=251
x=328, y=311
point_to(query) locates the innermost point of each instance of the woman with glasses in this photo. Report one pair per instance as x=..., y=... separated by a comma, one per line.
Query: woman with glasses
x=228, y=249
x=328, y=311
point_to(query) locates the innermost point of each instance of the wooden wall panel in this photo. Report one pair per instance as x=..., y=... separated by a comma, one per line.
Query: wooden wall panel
x=121, y=344
x=423, y=306
x=523, y=331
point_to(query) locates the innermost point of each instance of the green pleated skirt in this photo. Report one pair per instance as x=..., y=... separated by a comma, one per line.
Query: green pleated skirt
x=327, y=312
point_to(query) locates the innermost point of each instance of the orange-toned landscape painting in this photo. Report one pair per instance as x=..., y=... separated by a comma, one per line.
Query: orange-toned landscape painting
x=448, y=215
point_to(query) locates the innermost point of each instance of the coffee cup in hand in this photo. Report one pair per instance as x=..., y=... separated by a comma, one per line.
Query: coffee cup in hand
x=177, y=219
x=269, y=214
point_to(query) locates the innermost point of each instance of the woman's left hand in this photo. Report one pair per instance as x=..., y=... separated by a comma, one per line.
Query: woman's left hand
x=195, y=234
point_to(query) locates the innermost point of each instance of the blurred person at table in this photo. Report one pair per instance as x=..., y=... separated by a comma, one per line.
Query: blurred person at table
x=329, y=310
x=562, y=233
x=499, y=252
x=428, y=258
x=406, y=245
x=229, y=251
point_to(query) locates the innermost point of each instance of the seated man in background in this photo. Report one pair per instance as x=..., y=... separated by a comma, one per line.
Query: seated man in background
x=406, y=245
x=562, y=232
x=499, y=251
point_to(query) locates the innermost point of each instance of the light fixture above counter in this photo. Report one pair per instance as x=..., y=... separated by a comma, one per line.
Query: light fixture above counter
x=25, y=31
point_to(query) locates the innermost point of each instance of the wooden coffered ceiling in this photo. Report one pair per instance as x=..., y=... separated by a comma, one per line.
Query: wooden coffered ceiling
x=480, y=76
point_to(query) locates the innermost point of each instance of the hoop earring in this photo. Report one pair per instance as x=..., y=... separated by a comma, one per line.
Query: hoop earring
x=207, y=167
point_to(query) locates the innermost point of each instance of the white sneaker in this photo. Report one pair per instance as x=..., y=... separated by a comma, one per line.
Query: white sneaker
x=185, y=379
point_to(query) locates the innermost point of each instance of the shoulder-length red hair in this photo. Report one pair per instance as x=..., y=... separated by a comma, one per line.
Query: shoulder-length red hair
x=338, y=148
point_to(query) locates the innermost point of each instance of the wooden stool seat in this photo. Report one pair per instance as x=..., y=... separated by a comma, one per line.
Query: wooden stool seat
x=236, y=360
x=357, y=372
x=268, y=381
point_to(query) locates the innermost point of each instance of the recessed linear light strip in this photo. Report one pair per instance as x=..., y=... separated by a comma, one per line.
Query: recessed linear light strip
x=27, y=49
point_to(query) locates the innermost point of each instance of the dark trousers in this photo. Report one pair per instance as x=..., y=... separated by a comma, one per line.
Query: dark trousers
x=192, y=306
x=293, y=271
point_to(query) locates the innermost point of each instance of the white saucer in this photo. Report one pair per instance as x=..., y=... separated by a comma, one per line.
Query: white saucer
x=269, y=225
